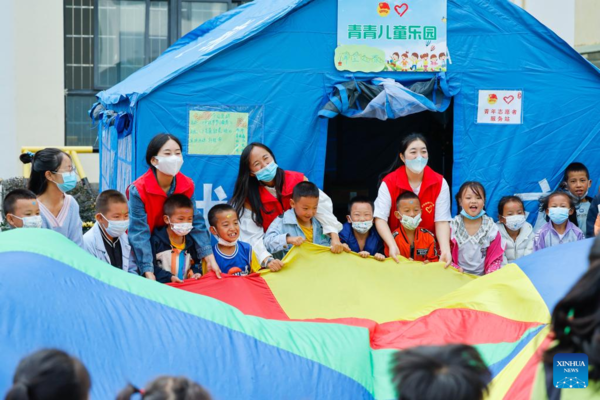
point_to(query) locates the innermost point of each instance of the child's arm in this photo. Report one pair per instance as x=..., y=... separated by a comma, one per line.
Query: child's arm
x=336, y=245
x=538, y=242
x=495, y=253
x=275, y=240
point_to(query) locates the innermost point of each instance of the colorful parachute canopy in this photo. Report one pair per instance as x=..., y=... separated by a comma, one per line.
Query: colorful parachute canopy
x=325, y=327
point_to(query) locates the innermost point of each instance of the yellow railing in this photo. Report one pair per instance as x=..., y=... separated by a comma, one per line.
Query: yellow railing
x=72, y=151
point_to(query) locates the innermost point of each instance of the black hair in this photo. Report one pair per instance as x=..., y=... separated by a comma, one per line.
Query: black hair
x=107, y=197
x=508, y=199
x=406, y=195
x=167, y=388
x=305, y=189
x=576, y=321
x=216, y=210
x=246, y=186
x=454, y=372
x=50, y=374
x=157, y=143
x=476, y=187
x=176, y=201
x=48, y=159
x=360, y=199
x=545, y=202
x=594, y=256
x=8, y=204
x=575, y=167
x=406, y=141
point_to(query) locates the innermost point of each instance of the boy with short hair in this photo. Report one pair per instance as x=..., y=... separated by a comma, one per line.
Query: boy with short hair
x=358, y=234
x=298, y=224
x=21, y=209
x=107, y=240
x=175, y=255
x=234, y=257
x=577, y=182
x=416, y=244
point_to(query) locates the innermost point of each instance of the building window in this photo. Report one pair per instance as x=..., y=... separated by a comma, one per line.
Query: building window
x=108, y=40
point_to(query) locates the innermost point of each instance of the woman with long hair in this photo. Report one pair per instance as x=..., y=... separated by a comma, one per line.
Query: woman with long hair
x=148, y=194
x=262, y=193
x=410, y=172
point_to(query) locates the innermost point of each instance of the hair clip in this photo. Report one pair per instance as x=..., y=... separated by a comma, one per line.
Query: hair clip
x=570, y=316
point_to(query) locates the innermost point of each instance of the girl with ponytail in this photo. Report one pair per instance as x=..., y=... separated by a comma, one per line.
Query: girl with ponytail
x=167, y=388
x=52, y=177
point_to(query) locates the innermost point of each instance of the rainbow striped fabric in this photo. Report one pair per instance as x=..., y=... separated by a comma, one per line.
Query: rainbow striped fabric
x=325, y=327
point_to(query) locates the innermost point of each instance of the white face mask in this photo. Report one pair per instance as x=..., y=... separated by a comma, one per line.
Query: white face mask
x=181, y=229
x=411, y=223
x=169, y=165
x=226, y=243
x=362, y=226
x=116, y=228
x=514, y=222
x=35, y=221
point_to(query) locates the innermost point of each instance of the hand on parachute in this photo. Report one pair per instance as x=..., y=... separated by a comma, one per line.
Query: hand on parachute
x=295, y=240
x=275, y=265
x=394, y=253
x=336, y=246
x=175, y=279
x=196, y=276
x=150, y=275
x=364, y=254
x=379, y=257
x=447, y=258
x=211, y=265
x=347, y=248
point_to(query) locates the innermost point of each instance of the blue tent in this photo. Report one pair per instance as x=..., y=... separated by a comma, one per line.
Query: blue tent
x=273, y=59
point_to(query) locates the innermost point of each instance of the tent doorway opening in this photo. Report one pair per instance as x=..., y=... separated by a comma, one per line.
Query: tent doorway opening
x=359, y=150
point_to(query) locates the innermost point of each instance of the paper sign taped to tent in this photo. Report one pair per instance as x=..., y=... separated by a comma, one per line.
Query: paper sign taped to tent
x=376, y=35
x=217, y=133
x=500, y=107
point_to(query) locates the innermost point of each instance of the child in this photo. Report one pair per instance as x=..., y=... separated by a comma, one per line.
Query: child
x=414, y=243
x=476, y=244
x=107, y=240
x=559, y=206
x=175, y=254
x=50, y=374
x=515, y=230
x=454, y=371
x=167, y=387
x=414, y=59
x=357, y=234
x=297, y=225
x=21, y=209
x=234, y=257
x=405, y=62
x=577, y=182
x=52, y=176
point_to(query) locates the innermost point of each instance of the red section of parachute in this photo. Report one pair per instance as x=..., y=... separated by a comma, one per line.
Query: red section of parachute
x=252, y=296
x=523, y=385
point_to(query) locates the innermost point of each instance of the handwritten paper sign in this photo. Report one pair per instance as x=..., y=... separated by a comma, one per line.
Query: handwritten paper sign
x=500, y=107
x=217, y=133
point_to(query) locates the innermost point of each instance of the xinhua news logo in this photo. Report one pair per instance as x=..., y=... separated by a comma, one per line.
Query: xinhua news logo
x=570, y=371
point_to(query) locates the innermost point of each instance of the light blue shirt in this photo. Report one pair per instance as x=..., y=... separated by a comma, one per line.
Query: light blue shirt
x=67, y=222
x=287, y=225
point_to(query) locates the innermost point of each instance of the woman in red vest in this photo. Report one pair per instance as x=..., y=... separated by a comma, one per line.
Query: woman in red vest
x=263, y=192
x=431, y=187
x=148, y=194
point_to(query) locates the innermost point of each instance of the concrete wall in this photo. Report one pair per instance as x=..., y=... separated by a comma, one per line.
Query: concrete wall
x=32, y=102
x=587, y=28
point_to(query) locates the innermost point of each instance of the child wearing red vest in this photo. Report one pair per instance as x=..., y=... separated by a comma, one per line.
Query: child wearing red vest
x=415, y=243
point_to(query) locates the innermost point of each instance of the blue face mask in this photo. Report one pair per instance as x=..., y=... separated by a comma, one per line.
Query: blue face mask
x=558, y=215
x=267, y=174
x=416, y=165
x=467, y=216
x=69, y=181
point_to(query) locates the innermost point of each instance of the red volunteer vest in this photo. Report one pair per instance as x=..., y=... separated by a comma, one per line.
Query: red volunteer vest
x=397, y=183
x=154, y=197
x=273, y=208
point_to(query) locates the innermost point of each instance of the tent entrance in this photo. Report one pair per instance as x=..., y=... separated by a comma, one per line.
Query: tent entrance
x=360, y=149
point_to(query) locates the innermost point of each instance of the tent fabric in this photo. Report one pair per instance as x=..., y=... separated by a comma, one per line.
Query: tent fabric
x=385, y=98
x=57, y=295
x=264, y=55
